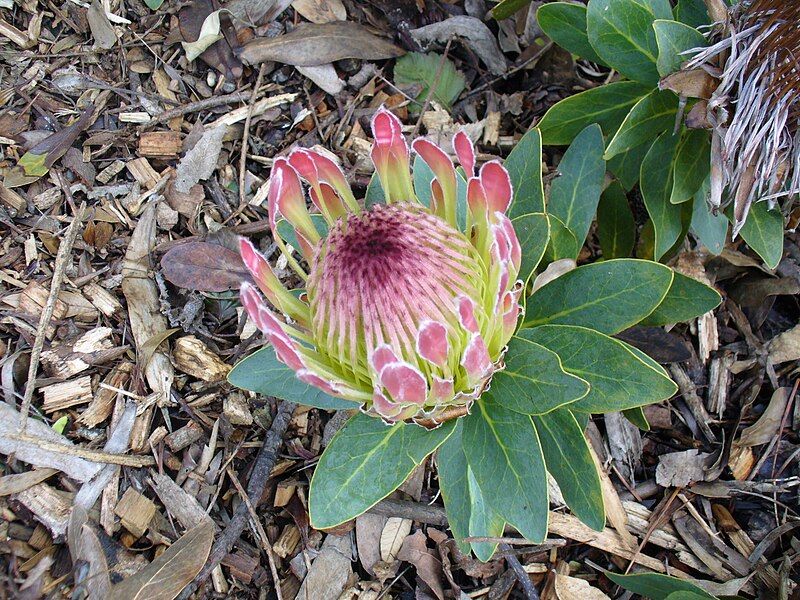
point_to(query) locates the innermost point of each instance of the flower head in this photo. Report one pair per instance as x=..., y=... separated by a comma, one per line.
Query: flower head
x=755, y=111
x=404, y=311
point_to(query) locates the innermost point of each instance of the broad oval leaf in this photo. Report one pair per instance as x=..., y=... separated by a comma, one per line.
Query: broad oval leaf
x=574, y=194
x=692, y=12
x=506, y=8
x=637, y=417
x=616, y=227
x=263, y=373
x=483, y=520
x=627, y=165
x=167, y=575
x=570, y=462
x=565, y=24
x=692, y=165
x=657, y=586
x=763, y=232
x=709, y=228
x=505, y=456
x=524, y=166
x=204, y=266
x=365, y=462
x=686, y=299
x=606, y=105
x=673, y=39
x=533, y=382
x=656, y=188
x=651, y=116
x=533, y=233
x=621, y=32
x=618, y=377
x=608, y=296
x=467, y=511
x=562, y=242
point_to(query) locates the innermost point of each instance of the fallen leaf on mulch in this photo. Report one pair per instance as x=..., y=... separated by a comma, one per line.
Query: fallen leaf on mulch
x=102, y=31
x=209, y=33
x=679, y=469
x=203, y=267
x=768, y=424
x=167, y=575
x=573, y=588
x=475, y=34
x=199, y=162
x=429, y=567
x=311, y=44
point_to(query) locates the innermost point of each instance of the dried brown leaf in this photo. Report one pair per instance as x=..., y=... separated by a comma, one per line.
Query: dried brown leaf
x=200, y=162
x=475, y=34
x=203, y=267
x=786, y=346
x=321, y=11
x=429, y=568
x=102, y=31
x=766, y=428
x=690, y=83
x=167, y=575
x=311, y=44
x=573, y=588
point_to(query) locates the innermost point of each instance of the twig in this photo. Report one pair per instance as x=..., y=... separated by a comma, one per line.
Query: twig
x=530, y=590
x=432, y=90
x=62, y=259
x=246, y=133
x=179, y=111
x=257, y=524
x=97, y=456
x=258, y=480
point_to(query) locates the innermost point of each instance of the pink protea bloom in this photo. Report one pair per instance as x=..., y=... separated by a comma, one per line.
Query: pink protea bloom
x=403, y=311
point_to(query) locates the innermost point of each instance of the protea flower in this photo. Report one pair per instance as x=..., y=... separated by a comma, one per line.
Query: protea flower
x=403, y=312
x=755, y=113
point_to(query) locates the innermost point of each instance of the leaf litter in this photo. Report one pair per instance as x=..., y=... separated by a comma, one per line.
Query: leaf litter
x=102, y=113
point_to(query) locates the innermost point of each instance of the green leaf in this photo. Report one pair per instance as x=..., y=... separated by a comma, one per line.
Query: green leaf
x=709, y=228
x=263, y=373
x=483, y=520
x=651, y=116
x=656, y=187
x=621, y=32
x=507, y=8
x=606, y=105
x=616, y=227
x=692, y=12
x=627, y=165
x=467, y=512
x=287, y=232
x=365, y=462
x=618, y=377
x=34, y=165
x=416, y=68
x=374, y=194
x=575, y=193
x=154, y=4
x=686, y=299
x=657, y=586
x=423, y=175
x=674, y=38
x=533, y=382
x=565, y=24
x=692, y=165
x=59, y=425
x=533, y=233
x=608, y=296
x=507, y=462
x=637, y=417
x=562, y=243
x=570, y=462
x=763, y=232
x=524, y=166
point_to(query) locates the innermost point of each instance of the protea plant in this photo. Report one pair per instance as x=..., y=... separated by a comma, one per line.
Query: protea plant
x=408, y=314
x=402, y=311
